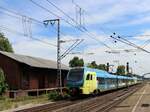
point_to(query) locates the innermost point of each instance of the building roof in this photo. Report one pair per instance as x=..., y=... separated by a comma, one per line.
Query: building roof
x=34, y=61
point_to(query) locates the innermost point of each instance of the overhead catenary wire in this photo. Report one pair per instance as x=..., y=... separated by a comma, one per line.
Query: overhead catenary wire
x=130, y=43
x=24, y=26
x=75, y=21
x=20, y=16
x=145, y=43
x=41, y=22
x=41, y=41
x=86, y=12
x=61, y=11
x=66, y=53
x=118, y=39
x=9, y=12
x=84, y=30
x=33, y=38
x=138, y=47
x=72, y=46
x=135, y=35
x=25, y=19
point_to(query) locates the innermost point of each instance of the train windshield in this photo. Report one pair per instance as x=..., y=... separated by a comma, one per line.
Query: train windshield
x=75, y=74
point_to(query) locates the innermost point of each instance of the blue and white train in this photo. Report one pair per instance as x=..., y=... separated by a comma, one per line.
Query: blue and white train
x=86, y=80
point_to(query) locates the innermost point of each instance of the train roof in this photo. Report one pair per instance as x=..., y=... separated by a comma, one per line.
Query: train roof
x=100, y=73
x=105, y=74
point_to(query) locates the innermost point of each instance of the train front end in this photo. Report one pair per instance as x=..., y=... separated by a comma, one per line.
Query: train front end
x=75, y=81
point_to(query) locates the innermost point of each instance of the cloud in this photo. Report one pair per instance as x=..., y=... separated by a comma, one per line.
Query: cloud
x=143, y=38
x=119, y=15
x=106, y=11
x=36, y=49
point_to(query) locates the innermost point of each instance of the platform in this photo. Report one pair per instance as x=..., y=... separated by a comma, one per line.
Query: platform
x=138, y=102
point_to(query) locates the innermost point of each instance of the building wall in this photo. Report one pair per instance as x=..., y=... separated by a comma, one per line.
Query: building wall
x=24, y=77
x=33, y=81
x=11, y=70
x=40, y=78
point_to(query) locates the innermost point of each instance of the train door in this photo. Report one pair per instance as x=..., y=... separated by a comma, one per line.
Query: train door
x=90, y=83
x=94, y=82
x=87, y=83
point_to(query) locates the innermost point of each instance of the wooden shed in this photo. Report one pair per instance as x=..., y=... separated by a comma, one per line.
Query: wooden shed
x=26, y=72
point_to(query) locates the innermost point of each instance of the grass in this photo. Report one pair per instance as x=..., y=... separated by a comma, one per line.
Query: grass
x=8, y=103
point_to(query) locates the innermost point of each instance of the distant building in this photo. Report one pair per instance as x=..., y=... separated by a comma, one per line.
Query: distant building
x=26, y=72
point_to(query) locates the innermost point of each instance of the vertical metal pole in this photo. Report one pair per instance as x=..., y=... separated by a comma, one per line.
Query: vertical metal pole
x=59, y=79
x=80, y=12
x=58, y=58
x=127, y=68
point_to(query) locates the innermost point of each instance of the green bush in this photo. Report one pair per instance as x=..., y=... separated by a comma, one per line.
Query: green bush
x=55, y=96
x=66, y=96
x=3, y=84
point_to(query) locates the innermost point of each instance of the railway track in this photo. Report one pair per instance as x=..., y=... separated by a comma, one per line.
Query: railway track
x=101, y=103
x=47, y=107
x=50, y=107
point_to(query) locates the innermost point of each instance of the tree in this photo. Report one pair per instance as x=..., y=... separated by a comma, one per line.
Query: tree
x=76, y=62
x=102, y=67
x=93, y=64
x=121, y=70
x=3, y=85
x=5, y=44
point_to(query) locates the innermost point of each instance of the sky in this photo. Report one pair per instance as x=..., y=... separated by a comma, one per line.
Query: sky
x=22, y=20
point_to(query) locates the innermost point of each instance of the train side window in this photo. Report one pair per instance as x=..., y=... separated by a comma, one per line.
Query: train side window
x=98, y=79
x=91, y=76
x=88, y=77
x=101, y=80
x=109, y=80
